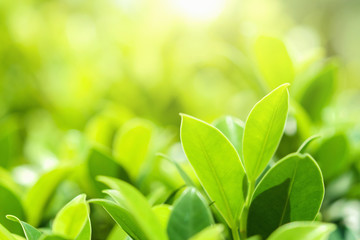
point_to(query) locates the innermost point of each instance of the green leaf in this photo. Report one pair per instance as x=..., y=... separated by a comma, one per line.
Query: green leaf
x=273, y=61
x=99, y=163
x=30, y=232
x=292, y=190
x=5, y=234
x=217, y=165
x=213, y=232
x=52, y=237
x=117, y=233
x=303, y=231
x=332, y=155
x=137, y=205
x=317, y=93
x=10, y=205
x=233, y=129
x=73, y=219
x=263, y=130
x=123, y=218
x=306, y=143
x=40, y=194
x=162, y=213
x=190, y=215
x=131, y=145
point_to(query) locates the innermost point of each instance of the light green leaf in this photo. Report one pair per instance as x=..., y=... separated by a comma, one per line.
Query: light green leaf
x=190, y=215
x=292, y=190
x=73, y=220
x=117, y=233
x=162, y=213
x=52, y=237
x=273, y=61
x=303, y=231
x=100, y=163
x=217, y=165
x=131, y=145
x=333, y=155
x=306, y=143
x=30, y=232
x=233, y=129
x=213, y=232
x=123, y=218
x=263, y=130
x=5, y=234
x=10, y=204
x=137, y=205
x=40, y=194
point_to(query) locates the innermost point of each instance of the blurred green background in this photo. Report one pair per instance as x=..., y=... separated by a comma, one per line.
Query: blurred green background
x=74, y=72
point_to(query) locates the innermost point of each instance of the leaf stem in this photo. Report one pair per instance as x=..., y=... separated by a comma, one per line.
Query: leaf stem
x=245, y=212
x=235, y=233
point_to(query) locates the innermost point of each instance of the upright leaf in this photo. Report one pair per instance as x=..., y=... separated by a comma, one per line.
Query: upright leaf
x=273, y=61
x=131, y=145
x=217, y=165
x=292, y=190
x=30, y=232
x=136, y=204
x=73, y=220
x=303, y=231
x=263, y=130
x=233, y=129
x=39, y=195
x=190, y=215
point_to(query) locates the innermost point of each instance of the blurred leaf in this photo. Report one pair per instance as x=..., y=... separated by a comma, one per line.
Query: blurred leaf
x=303, y=231
x=189, y=216
x=73, y=221
x=206, y=148
x=39, y=195
x=30, y=232
x=273, y=61
x=10, y=205
x=263, y=130
x=131, y=145
x=317, y=92
x=233, y=129
x=5, y=234
x=52, y=237
x=332, y=155
x=99, y=163
x=136, y=204
x=307, y=142
x=117, y=233
x=292, y=190
x=162, y=212
x=213, y=232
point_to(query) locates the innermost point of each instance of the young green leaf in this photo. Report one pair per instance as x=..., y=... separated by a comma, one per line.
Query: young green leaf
x=233, y=129
x=162, y=213
x=30, y=232
x=117, y=233
x=137, y=205
x=217, y=165
x=273, y=61
x=292, y=190
x=73, y=221
x=39, y=195
x=263, y=130
x=190, y=215
x=303, y=231
x=10, y=204
x=5, y=234
x=131, y=145
x=213, y=232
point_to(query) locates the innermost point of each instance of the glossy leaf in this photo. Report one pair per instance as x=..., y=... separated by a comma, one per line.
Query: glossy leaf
x=233, y=129
x=273, y=61
x=190, y=215
x=263, y=130
x=137, y=205
x=73, y=221
x=292, y=190
x=39, y=195
x=303, y=231
x=30, y=232
x=217, y=165
x=213, y=232
x=131, y=145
